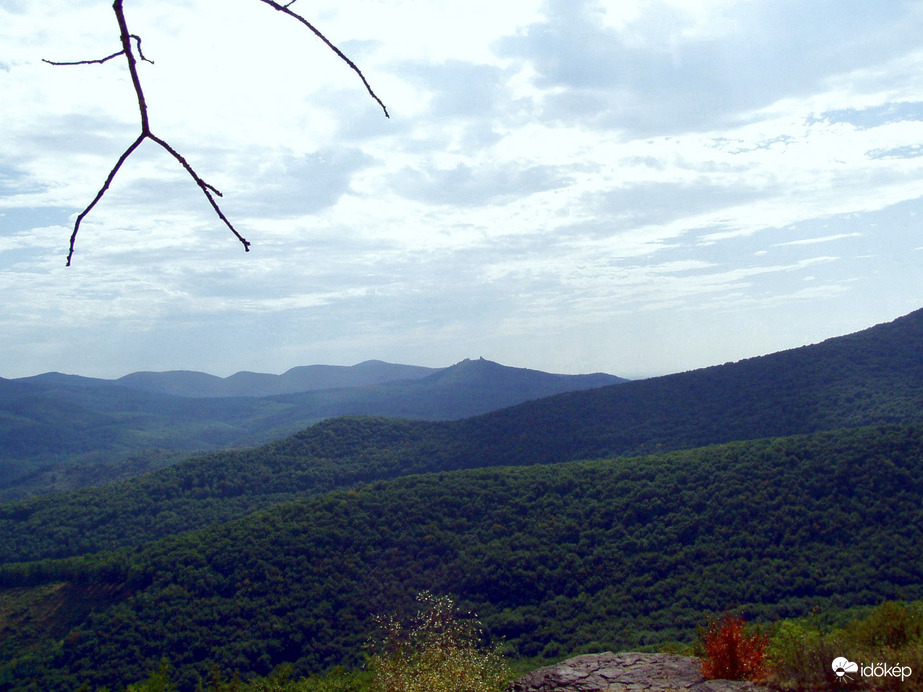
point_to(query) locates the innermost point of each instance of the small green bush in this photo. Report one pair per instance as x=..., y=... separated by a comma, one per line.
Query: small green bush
x=892, y=633
x=892, y=625
x=158, y=681
x=801, y=651
x=799, y=655
x=438, y=652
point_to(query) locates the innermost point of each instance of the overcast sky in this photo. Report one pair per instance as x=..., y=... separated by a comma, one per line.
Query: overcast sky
x=631, y=186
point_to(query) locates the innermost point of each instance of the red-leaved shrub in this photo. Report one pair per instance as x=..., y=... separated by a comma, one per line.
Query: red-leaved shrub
x=730, y=652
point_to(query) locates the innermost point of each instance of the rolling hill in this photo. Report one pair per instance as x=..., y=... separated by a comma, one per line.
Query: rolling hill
x=67, y=421
x=307, y=378
x=868, y=378
x=556, y=559
x=773, y=485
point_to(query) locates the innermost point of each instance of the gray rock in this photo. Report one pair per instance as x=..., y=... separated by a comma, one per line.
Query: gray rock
x=626, y=672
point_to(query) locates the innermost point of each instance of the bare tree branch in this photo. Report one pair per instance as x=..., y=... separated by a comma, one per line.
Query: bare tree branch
x=210, y=191
x=206, y=188
x=126, y=36
x=102, y=191
x=340, y=54
x=140, y=54
x=99, y=61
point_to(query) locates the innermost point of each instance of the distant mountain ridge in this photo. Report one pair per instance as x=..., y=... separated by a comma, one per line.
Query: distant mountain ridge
x=54, y=419
x=794, y=483
x=873, y=377
x=306, y=378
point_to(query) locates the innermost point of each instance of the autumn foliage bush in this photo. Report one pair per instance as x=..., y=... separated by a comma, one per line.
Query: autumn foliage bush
x=732, y=653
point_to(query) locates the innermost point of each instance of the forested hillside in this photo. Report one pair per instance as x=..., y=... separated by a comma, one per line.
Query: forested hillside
x=556, y=559
x=872, y=377
x=52, y=423
x=793, y=483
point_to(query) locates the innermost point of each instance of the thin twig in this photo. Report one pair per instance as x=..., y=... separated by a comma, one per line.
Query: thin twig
x=102, y=191
x=99, y=61
x=140, y=54
x=206, y=188
x=285, y=9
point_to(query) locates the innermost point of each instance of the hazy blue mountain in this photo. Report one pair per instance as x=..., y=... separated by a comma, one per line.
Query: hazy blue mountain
x=873, y=377
x=465, y=389
x=556, y=556
x=55, y=419
x=300, y=379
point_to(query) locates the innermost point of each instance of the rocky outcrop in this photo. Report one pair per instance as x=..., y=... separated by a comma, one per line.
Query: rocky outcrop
x=626, y=672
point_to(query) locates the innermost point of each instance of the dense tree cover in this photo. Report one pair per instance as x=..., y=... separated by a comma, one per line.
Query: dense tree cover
x=63, y=419
x=90, y=470
x=556, y=559
x=214, y=488
x=68, y=415
x=875, y=376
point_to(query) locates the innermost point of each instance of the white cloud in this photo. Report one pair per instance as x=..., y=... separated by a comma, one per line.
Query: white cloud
x=823, y=239
x=550, y=169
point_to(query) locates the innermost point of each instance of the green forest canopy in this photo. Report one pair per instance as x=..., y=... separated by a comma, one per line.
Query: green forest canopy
x=584, y=556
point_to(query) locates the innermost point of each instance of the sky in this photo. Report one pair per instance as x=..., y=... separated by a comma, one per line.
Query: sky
x=637, y=187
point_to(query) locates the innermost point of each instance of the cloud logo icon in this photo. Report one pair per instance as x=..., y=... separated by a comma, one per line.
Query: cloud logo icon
x=841, y=666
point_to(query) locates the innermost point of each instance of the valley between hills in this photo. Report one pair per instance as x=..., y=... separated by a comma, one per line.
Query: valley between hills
x=616, y=517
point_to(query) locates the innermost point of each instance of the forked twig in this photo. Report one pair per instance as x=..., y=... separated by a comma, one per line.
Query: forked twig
x=210, y=191
x=99, y=61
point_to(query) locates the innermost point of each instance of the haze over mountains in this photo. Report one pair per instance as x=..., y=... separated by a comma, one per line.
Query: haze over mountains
x=306, y=378
x=777, y=484
x=71, y=422
x=872, y=377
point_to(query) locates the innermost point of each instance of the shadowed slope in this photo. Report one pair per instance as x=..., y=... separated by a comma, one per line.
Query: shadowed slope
x=872, y=377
